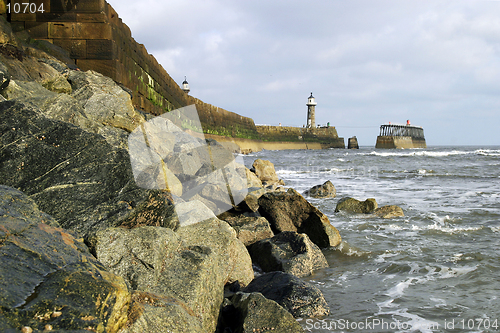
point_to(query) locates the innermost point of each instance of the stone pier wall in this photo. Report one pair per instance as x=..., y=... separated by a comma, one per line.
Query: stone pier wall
x=301, y=134
x=97, y=39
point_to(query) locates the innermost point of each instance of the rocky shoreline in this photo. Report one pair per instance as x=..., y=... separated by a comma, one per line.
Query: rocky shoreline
x=84, y=248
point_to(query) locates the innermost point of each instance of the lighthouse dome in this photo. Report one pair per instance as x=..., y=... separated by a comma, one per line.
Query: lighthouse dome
x=311, y=100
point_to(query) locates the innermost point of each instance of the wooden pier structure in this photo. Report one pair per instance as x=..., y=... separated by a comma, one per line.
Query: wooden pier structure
x=401, y=136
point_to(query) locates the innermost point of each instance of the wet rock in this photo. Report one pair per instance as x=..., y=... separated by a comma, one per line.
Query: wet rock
x=256, y=313
x=250, y=229
x=75, y=176
x=355, y=206
x=327, y=190
x=153, y=313
x=15, y=204
x=300, y=298
x=191, y=265
x=289, y=211
x=289, y=252
x=264, y=170
x=48, y=277
x=388, y=212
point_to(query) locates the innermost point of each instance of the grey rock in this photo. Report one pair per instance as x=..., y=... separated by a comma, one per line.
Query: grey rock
x=252, y=179
x=192, y=212
x=104, y=101
x=153, y=313
x=191, y=265
x=259, y=314
x=327, y=190
x=265, y=171
x=289, y=211
x=250, y=229
x=300, y=298
x=289, y=252
x=352, y=205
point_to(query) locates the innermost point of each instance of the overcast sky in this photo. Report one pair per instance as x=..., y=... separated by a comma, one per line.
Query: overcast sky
x=367, y=62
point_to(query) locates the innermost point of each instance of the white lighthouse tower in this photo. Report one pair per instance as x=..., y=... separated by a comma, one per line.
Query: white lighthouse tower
x=311, y=108
x=185, y=86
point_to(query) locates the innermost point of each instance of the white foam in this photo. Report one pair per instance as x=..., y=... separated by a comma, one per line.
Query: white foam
x=398, y=290
x=483, y=152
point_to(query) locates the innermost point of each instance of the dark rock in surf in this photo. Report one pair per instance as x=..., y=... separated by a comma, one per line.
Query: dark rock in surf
x=327, y=190
x=252, y=312
x=289, y=252
x=300, y=298
x=289, y=211
x=388, y=212
x=355, y=206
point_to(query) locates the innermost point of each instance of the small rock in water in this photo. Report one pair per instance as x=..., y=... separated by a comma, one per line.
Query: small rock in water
x=352, y=205
x=389, y=211
x=327, y=190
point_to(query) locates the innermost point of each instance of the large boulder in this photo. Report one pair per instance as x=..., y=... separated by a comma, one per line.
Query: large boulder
x=265, y=171
x=104, y=101
x=388, y=212
x=75, y=176
x=300, y=298
x=252, y=179
x=289, y=252
x=289, y=211
x=251, y=201
x=252, y=312
x=355, y=206
x=190, y=266
x=250, y=229
x=49, y=279
x=327, y=190
x=154, y=313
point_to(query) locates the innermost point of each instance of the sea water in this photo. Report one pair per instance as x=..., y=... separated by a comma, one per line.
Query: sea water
x=437, y=269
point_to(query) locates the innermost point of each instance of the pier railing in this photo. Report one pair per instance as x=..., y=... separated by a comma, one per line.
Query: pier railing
x=402, y=130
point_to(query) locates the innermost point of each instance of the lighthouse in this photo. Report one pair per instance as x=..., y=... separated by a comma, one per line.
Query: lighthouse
x=311, y=108
x=185, y=86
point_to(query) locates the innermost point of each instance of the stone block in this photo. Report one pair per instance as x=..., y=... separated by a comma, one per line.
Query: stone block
x=77, y=48
x=48, y=16
x=23, y=17
x=102, y=49
x=109, y=68
x=62, y=6
x=77, y=30
x=91, y=17
x=37, y=30
x=96, y=31
x=112, y=15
